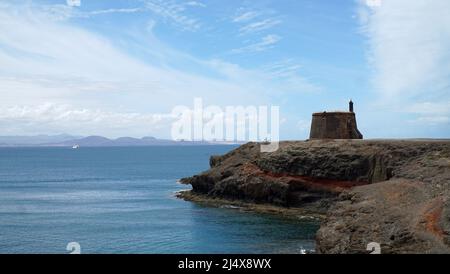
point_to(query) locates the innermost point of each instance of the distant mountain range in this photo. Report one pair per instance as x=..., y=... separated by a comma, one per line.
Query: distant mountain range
x=65, y=140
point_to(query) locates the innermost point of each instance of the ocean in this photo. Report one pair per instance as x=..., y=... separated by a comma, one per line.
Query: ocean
x=121, y=200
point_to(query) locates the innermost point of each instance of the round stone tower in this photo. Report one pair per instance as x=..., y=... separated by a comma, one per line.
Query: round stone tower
x=335, y=125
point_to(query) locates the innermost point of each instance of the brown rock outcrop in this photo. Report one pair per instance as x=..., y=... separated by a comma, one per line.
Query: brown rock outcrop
x=392, y=192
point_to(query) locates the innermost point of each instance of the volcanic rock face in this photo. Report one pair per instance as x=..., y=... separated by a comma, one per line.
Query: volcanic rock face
x=395, y=193
x=403, y=216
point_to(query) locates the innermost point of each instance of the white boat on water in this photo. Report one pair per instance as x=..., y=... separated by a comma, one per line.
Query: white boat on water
x=75, y=146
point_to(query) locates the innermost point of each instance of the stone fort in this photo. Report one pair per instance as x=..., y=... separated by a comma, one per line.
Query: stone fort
x=335, y=125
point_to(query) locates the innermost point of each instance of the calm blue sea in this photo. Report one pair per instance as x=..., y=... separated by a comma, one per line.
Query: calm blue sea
x=121, y=200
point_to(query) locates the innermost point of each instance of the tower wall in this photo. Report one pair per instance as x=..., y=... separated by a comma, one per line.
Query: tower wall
x=334, y=125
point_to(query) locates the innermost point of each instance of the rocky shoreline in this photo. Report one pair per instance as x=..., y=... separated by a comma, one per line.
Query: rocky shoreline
x=297, y=213
x=395, y=193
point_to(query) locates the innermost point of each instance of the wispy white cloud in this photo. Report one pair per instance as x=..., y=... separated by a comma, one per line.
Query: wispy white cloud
x=196, y=4
x=255, y=27
x=60, y=12
x=245, y=16
x=175, y=12
x=267, y=42
x=74, y=3
x=255, y=21
x=409, y=50
x=106, y=11
x=283, y=69
x=172, y=11
x=266, y=80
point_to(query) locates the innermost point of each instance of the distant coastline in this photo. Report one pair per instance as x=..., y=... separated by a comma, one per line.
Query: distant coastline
x=64, y=140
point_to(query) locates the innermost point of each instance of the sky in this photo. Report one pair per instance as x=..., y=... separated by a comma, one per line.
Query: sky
x=118, y=68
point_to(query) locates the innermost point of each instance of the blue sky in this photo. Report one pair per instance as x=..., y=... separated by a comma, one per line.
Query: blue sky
x=117, y=68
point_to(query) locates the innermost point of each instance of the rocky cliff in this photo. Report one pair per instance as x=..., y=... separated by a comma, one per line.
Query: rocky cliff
x=395, y=193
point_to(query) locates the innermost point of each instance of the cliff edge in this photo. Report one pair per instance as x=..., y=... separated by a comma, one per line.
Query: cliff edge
x=395, y=193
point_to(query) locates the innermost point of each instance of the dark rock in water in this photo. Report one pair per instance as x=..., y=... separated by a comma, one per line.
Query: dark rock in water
x=395, y=193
